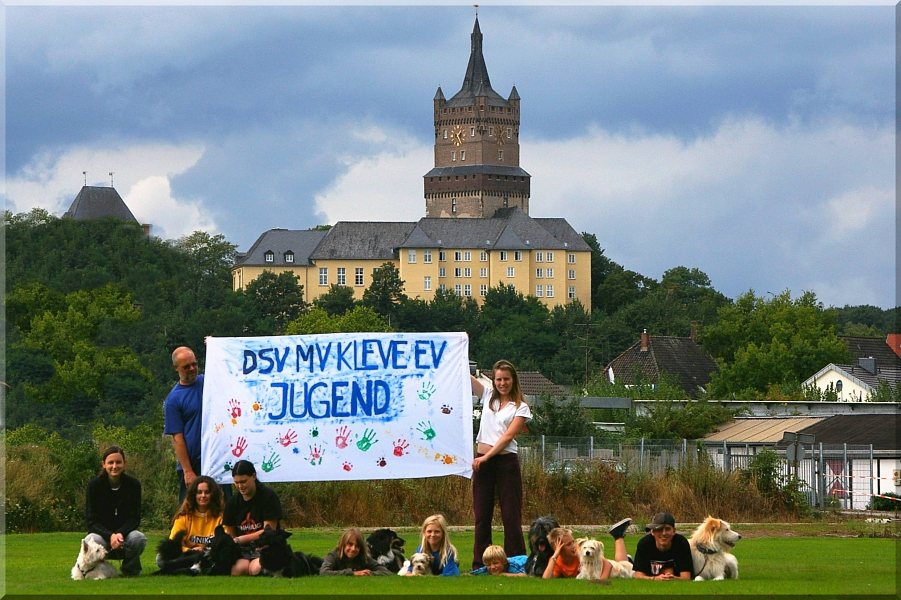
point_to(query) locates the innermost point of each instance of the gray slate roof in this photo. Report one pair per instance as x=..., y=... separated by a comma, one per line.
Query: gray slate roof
x=363, y=240
x=476, y=82
x=279, y=242
x=504, y=170
x=99, y=203
x=509, y=229
x=679, y=357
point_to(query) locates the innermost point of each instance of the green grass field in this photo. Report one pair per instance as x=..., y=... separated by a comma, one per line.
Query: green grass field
x=794, y=563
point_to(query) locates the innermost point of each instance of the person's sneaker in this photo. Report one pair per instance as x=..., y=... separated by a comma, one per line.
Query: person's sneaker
x=619, y=529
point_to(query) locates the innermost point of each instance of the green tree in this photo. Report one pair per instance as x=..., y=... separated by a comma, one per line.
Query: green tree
x=759, y=342
x=336, y=301
x=386, y=291
x=317, y=320
x=275, y=300
x=211, y=258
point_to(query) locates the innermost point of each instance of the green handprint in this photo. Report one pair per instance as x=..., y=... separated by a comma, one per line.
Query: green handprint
x=426, y=391
x=368, y=439
x=425, y=428
x=271, y=462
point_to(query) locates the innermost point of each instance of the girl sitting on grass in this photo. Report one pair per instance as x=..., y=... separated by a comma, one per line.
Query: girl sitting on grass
x=351, y=557
x=436, y=542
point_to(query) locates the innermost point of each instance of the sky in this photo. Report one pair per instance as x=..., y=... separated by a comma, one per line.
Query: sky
x=755, y=143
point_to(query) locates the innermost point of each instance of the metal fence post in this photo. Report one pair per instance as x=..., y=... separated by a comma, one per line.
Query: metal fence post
x=846, y=466
x=641, y=455
x=872, y=478
x=821, y=478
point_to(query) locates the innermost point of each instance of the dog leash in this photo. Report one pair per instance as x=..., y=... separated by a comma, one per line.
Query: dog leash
x=707, y=552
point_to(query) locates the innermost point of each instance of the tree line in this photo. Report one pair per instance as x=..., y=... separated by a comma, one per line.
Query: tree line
x=94, y=309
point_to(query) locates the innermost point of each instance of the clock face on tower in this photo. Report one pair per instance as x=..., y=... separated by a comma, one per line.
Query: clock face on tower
x=457, y=135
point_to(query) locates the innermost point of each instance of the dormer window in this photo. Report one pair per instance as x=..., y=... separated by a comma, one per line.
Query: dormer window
x=289, y=257
x=269, y=256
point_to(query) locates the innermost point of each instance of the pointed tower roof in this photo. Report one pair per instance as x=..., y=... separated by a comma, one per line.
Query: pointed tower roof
x=99, y=203
x=476, y=82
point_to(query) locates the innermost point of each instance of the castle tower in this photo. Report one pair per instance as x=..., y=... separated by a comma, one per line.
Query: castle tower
x=476, y=148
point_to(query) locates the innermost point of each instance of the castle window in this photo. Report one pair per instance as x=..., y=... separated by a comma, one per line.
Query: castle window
x=454, y=206
x=571, y=258
x=549, y=273
x=550, y=257
x=411, y=256
x=458, y=289
x=342, y=276
x=571, y=292
x=517, y=255
x=511, y=271
x=289, y=257
x=427, y=257
x=483, y=290
x=539, y=273
x=269, y=256
x=462, y=154
x=442, y=255
x=539, y=291
x=483, y=256
x=358, y=276
x=503, y=255
x=454, y=155
x=483, y=272
x=467, y=272
x=467, y=290
x=539, y=256
x=442, y=272
x=427, y=283
x=458, y=255
x=458, y=272
x=445, y=134
x=571, y=274
x=500, y=155
x=549, y=291
x=467, y=256
x=323, y=275
x=472, y=132
x=491, y=131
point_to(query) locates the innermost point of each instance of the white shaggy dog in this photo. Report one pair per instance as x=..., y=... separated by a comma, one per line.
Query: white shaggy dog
x=591, y=559
x=711, y=547
x=419, y=564
x=91, y=562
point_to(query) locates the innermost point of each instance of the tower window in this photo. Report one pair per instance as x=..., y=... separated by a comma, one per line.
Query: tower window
x=445, y=134
x=454, y=206
x=269, y=256
x=500, y=155
x=472, y=132
x=462, y=154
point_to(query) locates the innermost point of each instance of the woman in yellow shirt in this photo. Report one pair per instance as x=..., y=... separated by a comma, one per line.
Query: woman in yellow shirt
x=199, y=514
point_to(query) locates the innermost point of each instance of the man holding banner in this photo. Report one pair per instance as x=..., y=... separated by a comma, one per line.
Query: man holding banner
x=182, y=417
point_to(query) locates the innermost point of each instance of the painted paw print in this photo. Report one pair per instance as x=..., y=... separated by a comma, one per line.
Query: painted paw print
x=446, y=409
x=381, y=462
x=256, y=406
x=296, y=450
x=314, y=432
x=227, y=467
x=347, y=466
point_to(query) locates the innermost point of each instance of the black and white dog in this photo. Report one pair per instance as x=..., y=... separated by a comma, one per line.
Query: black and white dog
x=217, y=559
x=387, y=548
x=279, y=560
x=540, y=550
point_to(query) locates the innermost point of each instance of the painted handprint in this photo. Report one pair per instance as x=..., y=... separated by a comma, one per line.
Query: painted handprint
x=341, y=438
x=289, y=438
x=425, y=428
x=234, y=410
x=271, y=463
x=315, y=457
x=400, y=447
x=368, y=439
x=426, y=391
x=239, y=447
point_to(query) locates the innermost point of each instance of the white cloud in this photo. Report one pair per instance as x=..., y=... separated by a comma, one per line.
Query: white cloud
x=383, y=187
x=52, y=180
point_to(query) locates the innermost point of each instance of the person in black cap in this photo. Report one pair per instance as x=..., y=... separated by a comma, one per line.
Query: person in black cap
x=663, y=554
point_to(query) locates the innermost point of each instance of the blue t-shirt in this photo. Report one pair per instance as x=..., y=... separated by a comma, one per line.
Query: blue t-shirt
x=182, y=414
x=515, y=564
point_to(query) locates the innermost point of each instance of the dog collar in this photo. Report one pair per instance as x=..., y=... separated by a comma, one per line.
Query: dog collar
x=83, y=572
x=705, y=550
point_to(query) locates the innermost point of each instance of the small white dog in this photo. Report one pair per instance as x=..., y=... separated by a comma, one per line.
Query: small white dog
x=711, y=547
x=419, y=564
x=591, y=559
x=592, y=562
x=91, y=562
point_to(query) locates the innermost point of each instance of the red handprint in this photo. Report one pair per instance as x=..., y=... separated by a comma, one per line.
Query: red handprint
x=400, y=447
x=289, y=438
x=341, y=438
x=234, y=410
x=239, y=447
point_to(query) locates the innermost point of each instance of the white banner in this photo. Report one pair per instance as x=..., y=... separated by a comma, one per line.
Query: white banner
x=342, y=406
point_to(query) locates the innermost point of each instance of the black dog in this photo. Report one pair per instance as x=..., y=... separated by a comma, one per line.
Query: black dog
x=222, y=553
x=277, y=558
x=540, y=550
x=387, y=548
x=172, y=561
